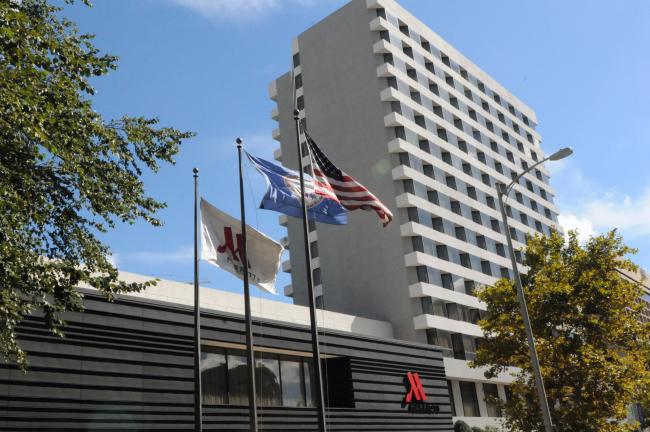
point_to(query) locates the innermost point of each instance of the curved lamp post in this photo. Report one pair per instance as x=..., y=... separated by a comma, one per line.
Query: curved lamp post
x=503, y=191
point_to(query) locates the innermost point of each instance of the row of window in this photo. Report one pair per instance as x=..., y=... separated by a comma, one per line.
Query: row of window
x=279, y=380
x=423, y=217
x=431, y=106
x=415, y=139
x=454, y=311
x=469, y=399
x=478, y=195
x=450, y=64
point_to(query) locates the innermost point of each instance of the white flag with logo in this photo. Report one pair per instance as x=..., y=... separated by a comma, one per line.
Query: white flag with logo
x=221, y=245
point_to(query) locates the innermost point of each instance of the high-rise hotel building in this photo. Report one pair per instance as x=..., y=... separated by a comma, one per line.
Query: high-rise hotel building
x=431, y=134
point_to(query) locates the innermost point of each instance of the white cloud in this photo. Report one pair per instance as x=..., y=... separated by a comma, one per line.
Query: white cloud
x=583, y=225
x=114, y=259
x=607, y=211
x=238, y=10
x=625, y=213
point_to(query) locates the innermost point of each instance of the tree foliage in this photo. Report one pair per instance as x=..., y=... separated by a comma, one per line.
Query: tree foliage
x=66, y=173
x=593, y=349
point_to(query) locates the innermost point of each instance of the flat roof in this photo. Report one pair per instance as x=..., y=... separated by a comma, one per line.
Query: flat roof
x=216, y=300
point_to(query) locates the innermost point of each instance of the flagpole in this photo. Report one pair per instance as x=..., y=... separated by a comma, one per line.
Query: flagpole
x=320, y=402
x=252, y=398
x=198, y=414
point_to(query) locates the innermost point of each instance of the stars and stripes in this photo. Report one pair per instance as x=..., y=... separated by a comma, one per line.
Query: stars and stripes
x=350, y=193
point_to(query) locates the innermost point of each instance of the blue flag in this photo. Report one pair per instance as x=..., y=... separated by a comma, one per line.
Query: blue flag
x=283, y=194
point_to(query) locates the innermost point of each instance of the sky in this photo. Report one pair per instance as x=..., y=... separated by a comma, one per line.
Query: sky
x=205, y=66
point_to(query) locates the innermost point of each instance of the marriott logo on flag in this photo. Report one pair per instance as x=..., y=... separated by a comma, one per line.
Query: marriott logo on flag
x=222, y=245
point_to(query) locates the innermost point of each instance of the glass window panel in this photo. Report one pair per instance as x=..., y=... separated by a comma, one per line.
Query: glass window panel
x=310, y=392
x=237, y=378
x=214, y=377
x=470, y=401
x=292, y=383
x=267, y=380
x=491, y=393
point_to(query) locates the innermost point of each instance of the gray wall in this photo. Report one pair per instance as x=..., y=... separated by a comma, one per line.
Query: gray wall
x=127, y=365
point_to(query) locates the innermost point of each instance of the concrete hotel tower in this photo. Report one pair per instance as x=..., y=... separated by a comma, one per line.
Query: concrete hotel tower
x=427, y=131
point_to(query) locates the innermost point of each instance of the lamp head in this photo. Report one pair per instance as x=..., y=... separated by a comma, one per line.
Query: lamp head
x=561, y=154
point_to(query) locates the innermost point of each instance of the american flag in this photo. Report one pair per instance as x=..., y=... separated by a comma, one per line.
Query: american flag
x=350, y=193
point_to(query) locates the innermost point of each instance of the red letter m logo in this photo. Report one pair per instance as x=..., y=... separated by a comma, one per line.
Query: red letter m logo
x=414, y=386
x=236, y=254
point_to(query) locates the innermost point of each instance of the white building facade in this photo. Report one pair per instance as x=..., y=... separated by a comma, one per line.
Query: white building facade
x=431, y=134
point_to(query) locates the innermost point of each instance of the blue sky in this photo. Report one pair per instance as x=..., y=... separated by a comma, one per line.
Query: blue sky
x=205, y=65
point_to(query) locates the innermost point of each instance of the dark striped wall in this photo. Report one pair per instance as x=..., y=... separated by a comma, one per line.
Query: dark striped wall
x=127, y=365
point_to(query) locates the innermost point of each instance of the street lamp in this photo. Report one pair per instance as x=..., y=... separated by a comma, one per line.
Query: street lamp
x=503, y=191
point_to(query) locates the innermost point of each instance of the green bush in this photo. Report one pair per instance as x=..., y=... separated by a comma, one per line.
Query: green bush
x=477, y=429
x=461, y=426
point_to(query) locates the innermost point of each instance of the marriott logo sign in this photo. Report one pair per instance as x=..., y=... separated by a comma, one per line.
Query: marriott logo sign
x=415, y=396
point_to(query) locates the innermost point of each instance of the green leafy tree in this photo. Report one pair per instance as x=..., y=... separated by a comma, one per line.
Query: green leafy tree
x=66, y=173
x=592, y=347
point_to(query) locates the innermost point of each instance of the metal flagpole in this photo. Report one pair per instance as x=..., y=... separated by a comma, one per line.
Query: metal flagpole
x=320, y=403
x=198, y=414
x=252, y=398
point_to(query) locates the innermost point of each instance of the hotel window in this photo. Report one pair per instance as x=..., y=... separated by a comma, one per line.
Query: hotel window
x=542, y=192
x=313, y=247
x=533, y=205
x=476, y=134
x=403, y=28
x=462, y=146
x=316, y=274
x=419, y=120
x=467, y=168
x=407, y=50
x=533, y=155
x=447, y=281
x=497, y=98
x=476, y=217
x=442, y=253
x=490, y=126
x=437, y=110
x=433, y=88
x=481, y=157
x=432, y=196
x=530, y=138
x=312, y=226
x=490, y=202
x=442, y=133
x=516, y=127
x=460, y=233
x=384, y=35
x=300, y=103
x=422, y=273
x=513, y=234
x=468, y=95
x=446, y=157
x=412, y=73
x=451, y=181
x=480, y=242
x=429, y=66
x=538, y=227
x=486, y=179
x=519, y=197
x=417, y=244
x=445, y=59
x=471, y=192
x=413, y=215
x=450, y=81
x=524, y=165
x=388, y=58
x=491, y=400
x=495, y=225
x=400, y=132
x=481, y=86
x=391, y=82
x=505, y=273
x=547, y=213
x=436, y=223
x=455, y=207
x=453, y=101
x=486, y=268
x=498, y=167
x=510, y=157
x=505, y=136
x=520, y=146
x=485, y=105
x=538, y=174
x=519, y=257
x=458, y=123
x=425, y=44
x=501, y=117
x=511, y=109
x=404, y=159
x=296, y=60
x=381, y=12
x=281, y=380
x=501, y=250
x=415, y=96
x=526, y=122
x=396, y=107
x=523, y=218
x=470, y=286
x=424, y=146
x=470, y=401
x=427, y=170
x=529, y=186
x=298, y=81
x=463, y=72
x=494, y=146
x=472, y=114
x=427, y=305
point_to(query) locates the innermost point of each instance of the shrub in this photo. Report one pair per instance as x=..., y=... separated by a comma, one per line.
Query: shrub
x=461, y=426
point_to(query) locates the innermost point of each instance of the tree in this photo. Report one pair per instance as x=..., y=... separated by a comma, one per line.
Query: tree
x=592, y=347
x=66, y=173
